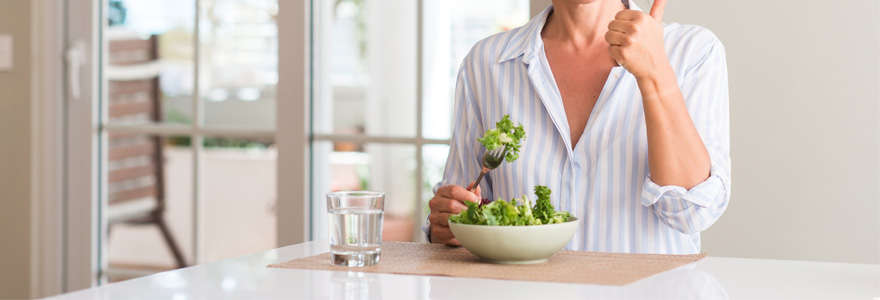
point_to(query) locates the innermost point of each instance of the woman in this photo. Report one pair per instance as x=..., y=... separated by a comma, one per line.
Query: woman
x=626, y=121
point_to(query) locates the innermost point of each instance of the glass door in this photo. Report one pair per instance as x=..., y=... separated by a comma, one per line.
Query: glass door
x=189, y=162
x=171, y=153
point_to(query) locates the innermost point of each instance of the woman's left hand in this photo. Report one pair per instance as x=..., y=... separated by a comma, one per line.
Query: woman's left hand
x=636, y=40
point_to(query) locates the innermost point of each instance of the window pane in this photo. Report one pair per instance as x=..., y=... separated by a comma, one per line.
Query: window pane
x=238, y=193
x=434, y=163
x=365, y=67
x=142, y=182
x=149, y=68
x=239, y=63
x=377, y=167
x=451, y=28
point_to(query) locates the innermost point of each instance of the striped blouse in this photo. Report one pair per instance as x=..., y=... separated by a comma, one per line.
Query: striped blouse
x=604, y=180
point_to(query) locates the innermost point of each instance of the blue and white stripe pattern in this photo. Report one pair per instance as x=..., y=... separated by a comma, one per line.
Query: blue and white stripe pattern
x=605, y=179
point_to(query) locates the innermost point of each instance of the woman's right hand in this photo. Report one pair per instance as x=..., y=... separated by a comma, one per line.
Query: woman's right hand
x=448, y=201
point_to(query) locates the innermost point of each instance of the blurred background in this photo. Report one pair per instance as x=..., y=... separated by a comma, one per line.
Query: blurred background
x=185, y=166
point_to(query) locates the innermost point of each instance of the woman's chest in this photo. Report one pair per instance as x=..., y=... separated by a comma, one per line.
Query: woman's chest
x=579, y=79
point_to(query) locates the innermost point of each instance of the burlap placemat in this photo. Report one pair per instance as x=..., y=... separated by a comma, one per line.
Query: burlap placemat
x=564, y=266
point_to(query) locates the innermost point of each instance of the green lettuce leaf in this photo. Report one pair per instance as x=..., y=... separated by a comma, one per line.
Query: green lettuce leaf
x=517, y=212
x=504, y=134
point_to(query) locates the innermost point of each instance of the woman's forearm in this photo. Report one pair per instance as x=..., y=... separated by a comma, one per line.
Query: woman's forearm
x=676, y=154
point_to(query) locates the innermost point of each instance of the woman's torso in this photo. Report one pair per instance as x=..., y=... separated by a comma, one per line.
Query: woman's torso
x=599, y=179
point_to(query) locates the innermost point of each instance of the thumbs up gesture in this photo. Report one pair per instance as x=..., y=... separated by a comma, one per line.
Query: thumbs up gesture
x=636, y=40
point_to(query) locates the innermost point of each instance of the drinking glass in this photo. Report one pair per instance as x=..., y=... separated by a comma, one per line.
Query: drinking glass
x=355, y=227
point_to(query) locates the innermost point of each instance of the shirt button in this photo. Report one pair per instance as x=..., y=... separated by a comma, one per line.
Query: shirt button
x=616, y=75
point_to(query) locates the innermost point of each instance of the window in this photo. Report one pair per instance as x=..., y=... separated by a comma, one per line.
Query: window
x=382, y=109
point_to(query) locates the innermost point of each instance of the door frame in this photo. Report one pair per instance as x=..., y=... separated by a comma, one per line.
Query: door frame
x=294, y=117
x=47, y=164
x=81, y=210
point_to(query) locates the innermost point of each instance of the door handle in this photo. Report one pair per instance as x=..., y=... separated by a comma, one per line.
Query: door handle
x=75, y=59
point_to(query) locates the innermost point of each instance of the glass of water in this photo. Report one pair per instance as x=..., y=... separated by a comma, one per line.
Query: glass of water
x=355, y=227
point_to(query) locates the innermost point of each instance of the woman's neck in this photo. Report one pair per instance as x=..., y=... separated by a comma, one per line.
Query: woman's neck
x=583, y=25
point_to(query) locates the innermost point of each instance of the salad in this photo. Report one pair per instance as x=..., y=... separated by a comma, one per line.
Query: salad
x=513, y=213
x=504, y=134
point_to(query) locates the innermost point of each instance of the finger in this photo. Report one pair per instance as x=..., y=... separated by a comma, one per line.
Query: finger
x=455, y=206
x=628, y=15
x=442, y=204
x=442, y=234
x=623, y=26
x=458, y=193
x=657, y=9
x=436, y=202
x=616, y=38
x=477, y=192
x=616, y=54
x=439, y=218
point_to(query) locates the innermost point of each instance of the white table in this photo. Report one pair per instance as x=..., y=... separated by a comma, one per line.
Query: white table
x=247, y=277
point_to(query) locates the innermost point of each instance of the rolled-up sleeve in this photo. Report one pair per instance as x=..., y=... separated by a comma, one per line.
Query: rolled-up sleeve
x=705, y=89
x=462, y=163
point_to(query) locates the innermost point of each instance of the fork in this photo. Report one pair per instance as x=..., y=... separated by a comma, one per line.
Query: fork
x=491, y=160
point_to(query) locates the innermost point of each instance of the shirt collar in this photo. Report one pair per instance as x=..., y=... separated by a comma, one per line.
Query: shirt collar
x=527, y=38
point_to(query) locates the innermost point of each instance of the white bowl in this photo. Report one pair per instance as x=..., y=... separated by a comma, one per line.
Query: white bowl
x=515, y=244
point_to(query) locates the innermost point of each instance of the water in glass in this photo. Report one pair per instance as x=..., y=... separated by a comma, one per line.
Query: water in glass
x=355, y=236
x=355, y=227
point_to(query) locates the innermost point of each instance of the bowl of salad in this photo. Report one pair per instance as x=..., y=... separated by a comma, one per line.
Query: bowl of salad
x=514, y=232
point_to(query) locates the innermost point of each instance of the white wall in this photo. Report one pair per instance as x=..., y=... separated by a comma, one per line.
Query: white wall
x=805, y=128
x=805, y=132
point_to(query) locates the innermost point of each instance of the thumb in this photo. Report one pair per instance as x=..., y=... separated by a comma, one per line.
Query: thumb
x=476, y=191
x=657, y=9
